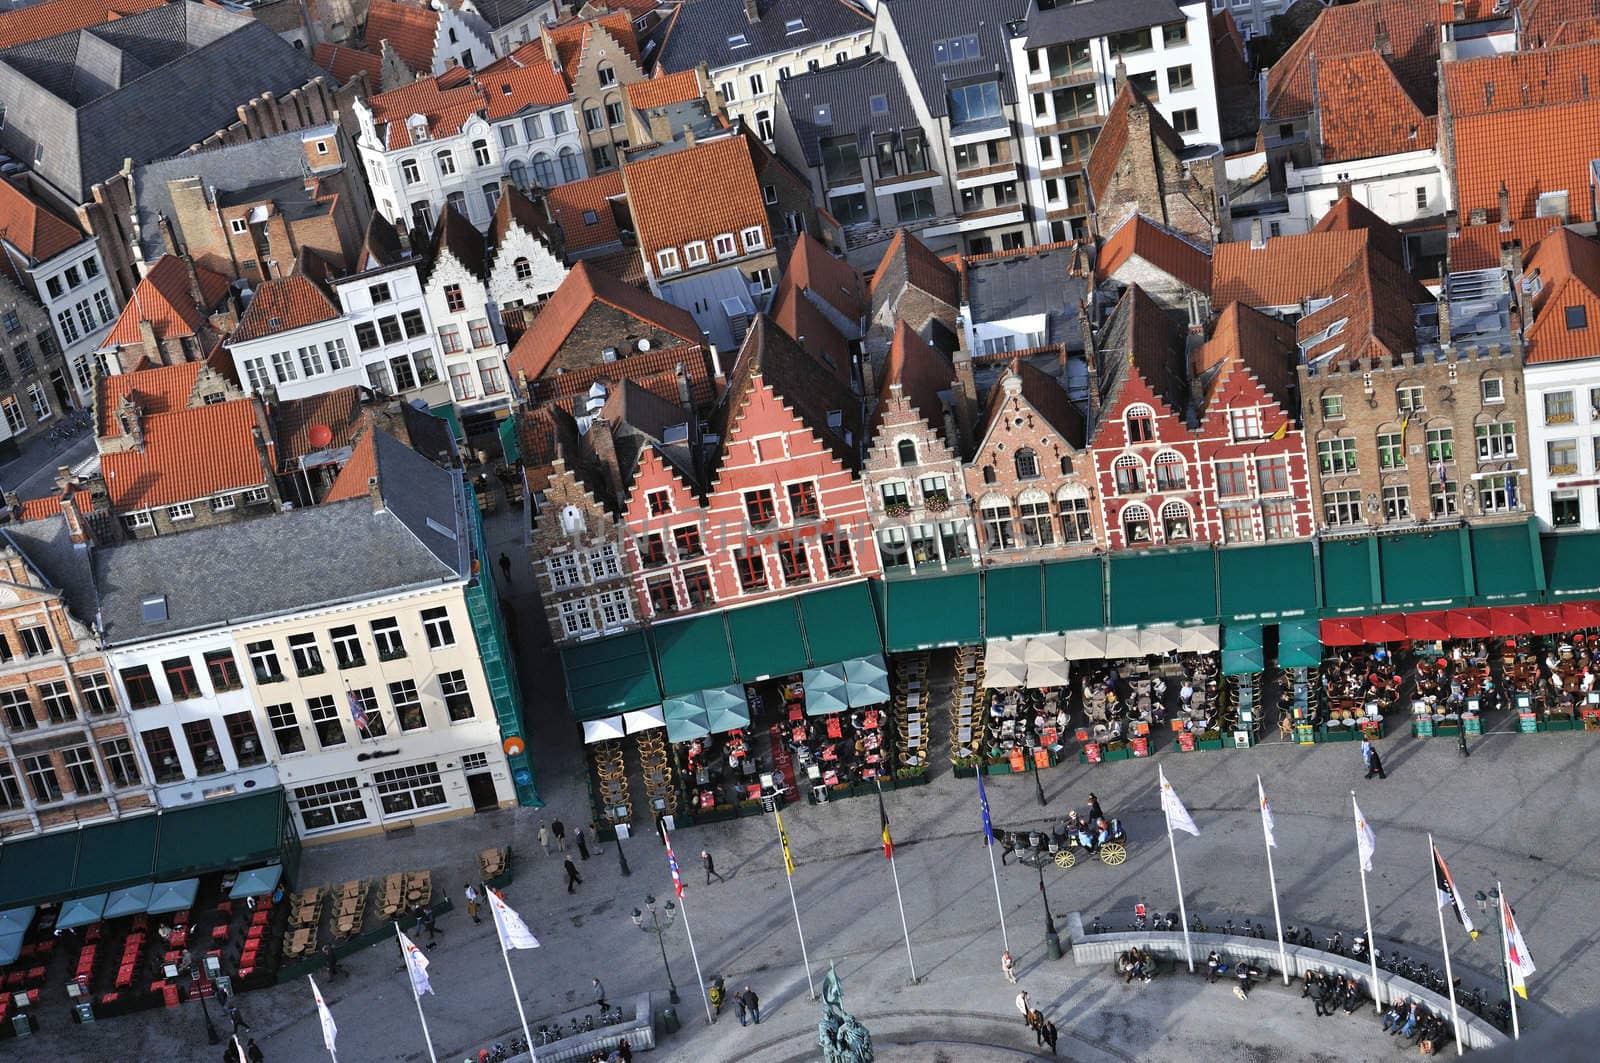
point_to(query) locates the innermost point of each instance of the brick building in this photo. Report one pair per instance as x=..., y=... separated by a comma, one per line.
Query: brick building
x=1031, y=474
x=598, y=57
x=1140, y=165
x=913, y=285
x=178, y=313
x=1171, y=269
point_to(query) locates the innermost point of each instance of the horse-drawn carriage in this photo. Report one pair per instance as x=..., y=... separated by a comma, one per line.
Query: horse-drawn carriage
x=1062, y=845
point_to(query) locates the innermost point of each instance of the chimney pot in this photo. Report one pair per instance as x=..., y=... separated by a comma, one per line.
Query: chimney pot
x=1257, y=242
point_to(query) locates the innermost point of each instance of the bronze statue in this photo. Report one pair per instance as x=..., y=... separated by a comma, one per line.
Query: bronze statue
x=842, y=1037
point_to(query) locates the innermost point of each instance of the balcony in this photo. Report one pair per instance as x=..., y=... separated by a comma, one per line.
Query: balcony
x=978, y=176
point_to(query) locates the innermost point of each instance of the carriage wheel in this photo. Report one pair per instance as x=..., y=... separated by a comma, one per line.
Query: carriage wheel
x=1066, y=858
x=1113, y=853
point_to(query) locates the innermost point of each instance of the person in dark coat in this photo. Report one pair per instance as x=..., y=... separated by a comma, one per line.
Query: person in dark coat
x=573, y=878
x=252, y=1052
x=752, y=1002
x=559, y=829
x=711, y=866
x=1375, y=765
x=583, y=845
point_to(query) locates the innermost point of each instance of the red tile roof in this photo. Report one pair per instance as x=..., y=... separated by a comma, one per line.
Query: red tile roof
x=925, y=270
x=1516, y=81
x=30, y=227
x=283, y=305
x=188, y=454
x=41, y=508
x=340, y=411
x=346, y=63
x=920, y=372
x=1413, y=29
x=1369, y=312
x=1569, y=275
x=1284, y=271
x=509, y=87
x=571, y=203
x=411, y=30
x=572, y=37
x=53, y=17
x=1159, y=246
x=355, y=478
x=1546, y=23
x=1349, y=215
x=581, y=289
x=1478, y=246
x=655, y=371
x=162, y=298
x=1243, y=341
x=1364, y=111
x=446, y=101
x=826, y=276
x=1048, y=398
x=806, y=325
x=159, y=390
x=1113, y=137
x=663, y=89
x=694, y=194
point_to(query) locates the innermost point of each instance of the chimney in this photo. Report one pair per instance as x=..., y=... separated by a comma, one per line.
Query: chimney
x=966, y=390
x=169, y=238
x=130, y=420
x=1380, y=41
x=1086, y=323
x=752, y=11
x=1343, y=189
x=1256, y=240
x=76, y=530
x=550, y=51
x=660, y=128
x=685, y=392
x=1444, y=321
x=1505, y=208
x=688, y=137
x=1511, y=262
x=147, y=337
x=719, y=376
x=602, y=440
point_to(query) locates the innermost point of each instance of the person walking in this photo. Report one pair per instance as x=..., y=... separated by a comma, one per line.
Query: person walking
x=1008, y=967
x=738, y=1003
x=425, y=921
x=711, y=867
x=1048, y=1028
x=573, y=878
x=333, y=961
x=238, y=1019
x=1213, y=961
x=1366, y=753
x=505, y=567
x=583, y=846
x=472, y=902
x=1375, y=766
x=753, y=1002
x=252, y=1052
x=1319, y=998
x=1461, y=742
x=594, y=839
x=544, y=838
x=1095, y=813
x=559, y=829
x=1023, y=1005
x=1242, y=988
x=599, y=995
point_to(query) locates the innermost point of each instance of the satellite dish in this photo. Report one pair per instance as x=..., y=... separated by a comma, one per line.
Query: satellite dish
x=644, y=345
x=321, y=435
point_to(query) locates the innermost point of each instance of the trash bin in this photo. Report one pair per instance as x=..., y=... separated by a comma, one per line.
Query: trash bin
x=669, y=1020
x=21, y=1023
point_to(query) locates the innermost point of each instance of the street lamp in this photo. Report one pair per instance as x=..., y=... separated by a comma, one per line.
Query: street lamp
x=658, y=928
x=622, y=857
x=1052, y=941
x=212, y=1037
x=1039, y=786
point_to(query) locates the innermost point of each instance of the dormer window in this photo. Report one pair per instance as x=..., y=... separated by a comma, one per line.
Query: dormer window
x=754, y=239
x=725, y=246
x=667, y=260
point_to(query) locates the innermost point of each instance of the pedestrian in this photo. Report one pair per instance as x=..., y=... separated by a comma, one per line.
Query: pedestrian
x=1095, y=812
x=505, y=566
x=738, y=1002
x=573, y=878
x=594, y=839
x=1394, y=1016
x=544, y=838
x=1366, y=752
x=333, y=961
x=1461, y=742
x=472, y=902
x=753, y=1002
x=559, y=829
x=1036, y=1024
x=222, y=996
x=711, y=866
x=1242, y=988
x=600, y=995
x=238, y=1019
x=1008, y=966
x=583, y=846
x=625, y=1050
x=1375, y=766
x=1213, y=961
x=252, y=1052
x=1049, y=1035
x=1319, y=997
x=1022, y=1004
x=425, y=921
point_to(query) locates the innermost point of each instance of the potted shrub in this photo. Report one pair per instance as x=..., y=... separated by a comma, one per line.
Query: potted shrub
x=1116, y=751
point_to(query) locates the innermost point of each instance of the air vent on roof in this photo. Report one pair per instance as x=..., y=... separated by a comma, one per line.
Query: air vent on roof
x=795, y=25
x=153, y=610
x=880, y=104
x=823, y=114
x=448, y=533
x=608, y=354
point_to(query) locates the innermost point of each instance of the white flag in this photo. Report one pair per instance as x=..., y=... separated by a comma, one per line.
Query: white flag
x=416, y=965
x=1178, y=817
x=514, y=933
x=1517, y=957
x=329, y=1030
x=1266, y=815
x=1366, y=841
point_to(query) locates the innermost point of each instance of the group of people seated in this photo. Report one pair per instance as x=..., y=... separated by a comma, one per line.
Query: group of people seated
x=844, y=747
x=1330, y=992
x=1417, y=1024
x=1136, y=963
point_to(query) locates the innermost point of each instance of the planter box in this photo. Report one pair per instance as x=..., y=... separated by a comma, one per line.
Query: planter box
x=1473, y=724
x=917, y=778
x=1338, y=734
x=968, y=769
x=1447, y=727
x=998, y=767
x=1117, y=754
x=1202, y=743
x=1561, y=723
x=1422, y=728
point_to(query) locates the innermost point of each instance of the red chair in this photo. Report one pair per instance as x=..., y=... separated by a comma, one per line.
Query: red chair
x=108, y=998
x=35, y=976
x=219, y=933
x=33, y=997
x=246, y=972
x=261, y=918
x=14, y=980
x=255, y=934
x=169, y=994
x=158, y=985
x=180, y=917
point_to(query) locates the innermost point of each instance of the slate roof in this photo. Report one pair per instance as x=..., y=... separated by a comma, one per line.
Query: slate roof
x=1478, y=246
x=1244, y=339
x=1569, y=272
x=1142, y=338
x=572, y=202
x=409, y=28
x=1029, y=282
x=283, y=304
x=1112, y=139
x=498, y=13
x=346, y=63
x=1413, y=29
x=188, y=454
x=54, y=17
x=462, y=240
x=287, y=562
x=718, y=175
x=925, y=270
x=177, y=74
x=162, y=298
x=1365, y=112
x=1159, y=246
x=31, y=227
x=848, y=91
x=921, y=372
x=699, y=31
x=919, y=23
x=48, y=546
x=1086, y=19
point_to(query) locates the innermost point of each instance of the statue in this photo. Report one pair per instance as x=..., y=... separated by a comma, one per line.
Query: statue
x=842, y=1037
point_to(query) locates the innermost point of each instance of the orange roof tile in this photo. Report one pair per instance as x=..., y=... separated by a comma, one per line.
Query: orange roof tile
x=340, y=411
x=1159, y=246
x=1113, y=137
x=446, y=102
x=54, y=17
x=826, y=276
x=574, y=202
x=1569, y=275
x=355, y=478
x=188, y=454
x=1478, y=246
x=1515, y=81
x=572, y=37
x=1413, y=30
x=509, y=88
x=806, y=325
x=1244, y=339
x=1544, y=23
x=283, y=305
x=162, y=298
x=1572, y=31
x=162, y=389
x=1284, y=271
x=1532, y=152
x=1348, y=215
x=920, y=372
x=1370, y=311
x=30, y=227
x=346, y=63
x=663, y=89
x=49, y=506
x=581, y=289
x=1364, y=111
x=694, y=194
x=655, y=371
x=409, y=29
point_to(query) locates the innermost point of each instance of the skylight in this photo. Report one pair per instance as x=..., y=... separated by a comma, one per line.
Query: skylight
x=880, y=104
x=738, y=40
x=795, y=25
x=153, y=610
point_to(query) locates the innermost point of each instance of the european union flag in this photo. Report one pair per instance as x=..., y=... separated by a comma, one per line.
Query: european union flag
x=983, y=802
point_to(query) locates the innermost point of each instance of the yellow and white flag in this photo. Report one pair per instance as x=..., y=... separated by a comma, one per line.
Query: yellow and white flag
x=783, y=837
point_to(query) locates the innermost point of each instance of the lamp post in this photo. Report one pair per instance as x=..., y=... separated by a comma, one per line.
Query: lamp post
x=1052, y=941
x=1038, y=786
x=622, y=858
x=1485, y=901
x=212, y=1037
x=656, y=927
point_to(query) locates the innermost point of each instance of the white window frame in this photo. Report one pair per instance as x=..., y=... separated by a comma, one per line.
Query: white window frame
x=754, y=239
x=181, y=511
x=667, y=261
x=695, y=253
x=725, y=245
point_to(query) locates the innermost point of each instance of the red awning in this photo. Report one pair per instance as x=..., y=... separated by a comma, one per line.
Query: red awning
x=1547, y=619
x=1468, y=623
x=1427, y=626
x=1390, y=627
x=1510, y=620
x=1342, y=631
x=1580, y=614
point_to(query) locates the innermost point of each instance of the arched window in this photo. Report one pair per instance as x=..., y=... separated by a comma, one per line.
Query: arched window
x=523, y=268
x=988, y=474
x=1169, y=472
x=519, y=174
x=1141, y=422
x=569, y=164
x=480, y=152
x=996, y=514
x=607, y=74
x=907, y=449
x=1136, y=524
x=1066, y=465
x=1175, y=522
x=1033, y=512
x=1129, y=471
x=544, y=171
x=446, y=161
x=1027, y=464
x=1073, y=503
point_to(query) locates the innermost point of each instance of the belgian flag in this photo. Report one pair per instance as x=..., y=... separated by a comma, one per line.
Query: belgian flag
x=883, y=820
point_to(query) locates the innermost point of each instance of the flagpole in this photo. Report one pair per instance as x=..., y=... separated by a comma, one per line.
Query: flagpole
x=911, y=960
x=684, y=910
x=1183, y=912
x=1444, y=943
x=320, y=1018
x=415, y=996
x=988, y=843
x=788, y=876
x=499, y=935
x=1366, y=907
x=1272, y=878
x=1505, y=959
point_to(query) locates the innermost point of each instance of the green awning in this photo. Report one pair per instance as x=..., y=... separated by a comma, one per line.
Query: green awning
x=1242, y=637
x=693, y=654
x=1506, y=566
x=767, y=640
x=1013, y=601
x=256, y=881
x=840, y=623
x=221, y=834
x=510, y=443
x=10, y=946
x=1265, y=582
x=1572, y=564
x=1347, y=575
x=932, y=611
x=1422, y=570
x=1299, y=644
x=116, y=854
x=1242, y=662
x=610, y=675
x=39, y=869
x=1074, y=594
x=1163, y=587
